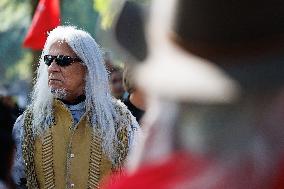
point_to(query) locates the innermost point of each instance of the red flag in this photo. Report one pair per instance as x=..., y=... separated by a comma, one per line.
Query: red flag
x=46, y=18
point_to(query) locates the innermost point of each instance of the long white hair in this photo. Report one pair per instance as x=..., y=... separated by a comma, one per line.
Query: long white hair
x=98, y=98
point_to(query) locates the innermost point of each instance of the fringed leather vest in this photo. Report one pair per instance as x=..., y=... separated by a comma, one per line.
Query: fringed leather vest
x=66, y=156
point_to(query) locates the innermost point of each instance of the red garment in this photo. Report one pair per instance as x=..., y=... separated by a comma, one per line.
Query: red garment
x=181, y=169
x=163, y=176
x=279, y=181
x=46, y=18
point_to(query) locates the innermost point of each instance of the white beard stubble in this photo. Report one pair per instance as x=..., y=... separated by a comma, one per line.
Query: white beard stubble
x=59, y=93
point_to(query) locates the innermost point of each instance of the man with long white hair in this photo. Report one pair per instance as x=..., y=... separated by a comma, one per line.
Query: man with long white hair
x=74, y=132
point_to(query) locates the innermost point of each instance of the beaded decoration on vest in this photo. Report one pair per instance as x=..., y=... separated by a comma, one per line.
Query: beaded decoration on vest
x=121, y=147
x=28, y=151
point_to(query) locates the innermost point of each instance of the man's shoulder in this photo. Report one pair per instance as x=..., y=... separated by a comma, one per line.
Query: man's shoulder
x=125, y=118
x=19, y=123
x=121, y=108
x=23, y=115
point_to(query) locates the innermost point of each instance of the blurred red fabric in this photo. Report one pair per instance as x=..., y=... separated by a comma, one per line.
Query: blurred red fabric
x=163, y=176
x=46, y=18
x=181, y=169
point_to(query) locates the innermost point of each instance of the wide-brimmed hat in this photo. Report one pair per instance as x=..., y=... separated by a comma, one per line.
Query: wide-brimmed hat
x=208, y=51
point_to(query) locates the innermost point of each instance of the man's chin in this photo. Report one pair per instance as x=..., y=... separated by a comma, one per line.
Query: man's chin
x=59, y=93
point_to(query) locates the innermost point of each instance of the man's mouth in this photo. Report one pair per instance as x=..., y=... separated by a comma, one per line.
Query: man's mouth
x=54, y=80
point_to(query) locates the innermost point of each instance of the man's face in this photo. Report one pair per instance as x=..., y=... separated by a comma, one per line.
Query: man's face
x=68, y=79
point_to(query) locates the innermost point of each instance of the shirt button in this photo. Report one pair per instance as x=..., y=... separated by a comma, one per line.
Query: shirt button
x=72, y=185
x=72, y=155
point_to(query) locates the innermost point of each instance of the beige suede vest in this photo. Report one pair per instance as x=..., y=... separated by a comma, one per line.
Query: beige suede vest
x=66, y=156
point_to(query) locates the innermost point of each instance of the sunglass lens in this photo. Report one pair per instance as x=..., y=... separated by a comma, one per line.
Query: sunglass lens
x=48, y=59
x=63, y=60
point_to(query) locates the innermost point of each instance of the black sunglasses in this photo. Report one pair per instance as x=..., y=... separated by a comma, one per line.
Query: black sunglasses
x=60, y=60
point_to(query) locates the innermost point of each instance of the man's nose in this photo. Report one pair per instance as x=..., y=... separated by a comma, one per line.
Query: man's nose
x=54, y=67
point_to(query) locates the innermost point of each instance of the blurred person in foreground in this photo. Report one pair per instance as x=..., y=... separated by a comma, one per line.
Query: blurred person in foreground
x=135, y=100
x=215, y=82
x=74, y=132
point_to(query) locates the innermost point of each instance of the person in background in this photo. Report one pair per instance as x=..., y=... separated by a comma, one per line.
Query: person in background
x=115, y=77
x=135, y=100
x=115, y=80
x=215, y=81
x=11, y=107
x=6, y=117
x=7, y=146
x=74, y=132
x=6, y=158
